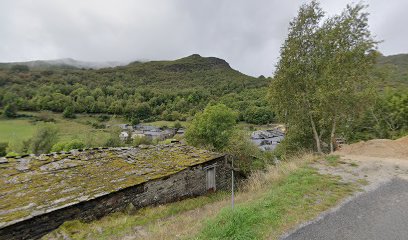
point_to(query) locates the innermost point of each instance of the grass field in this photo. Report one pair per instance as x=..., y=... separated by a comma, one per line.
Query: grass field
x=17, y=130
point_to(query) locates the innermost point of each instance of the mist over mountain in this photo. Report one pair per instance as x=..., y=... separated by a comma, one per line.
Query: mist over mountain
x=64, y=63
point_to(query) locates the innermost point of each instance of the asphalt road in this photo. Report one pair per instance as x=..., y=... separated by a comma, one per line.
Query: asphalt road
x=379, y=214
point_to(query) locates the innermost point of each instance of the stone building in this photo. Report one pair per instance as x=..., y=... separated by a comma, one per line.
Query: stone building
x=267, y=140
x=38, y=194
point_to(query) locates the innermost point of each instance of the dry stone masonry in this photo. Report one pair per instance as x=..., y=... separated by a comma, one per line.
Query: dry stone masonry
x=39, y=193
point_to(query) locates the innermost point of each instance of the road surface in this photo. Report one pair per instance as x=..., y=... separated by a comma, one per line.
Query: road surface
x=380, y=214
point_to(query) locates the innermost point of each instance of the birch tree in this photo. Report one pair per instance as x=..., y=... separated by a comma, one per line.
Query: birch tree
x=322, y=77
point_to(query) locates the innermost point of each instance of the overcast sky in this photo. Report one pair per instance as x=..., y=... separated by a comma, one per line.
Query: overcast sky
x=246, y=33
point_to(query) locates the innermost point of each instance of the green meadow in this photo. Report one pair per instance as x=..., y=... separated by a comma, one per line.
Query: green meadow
x=80, y=128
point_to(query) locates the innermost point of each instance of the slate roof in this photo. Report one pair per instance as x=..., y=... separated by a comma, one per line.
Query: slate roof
x=267, y=140
x=31, y=186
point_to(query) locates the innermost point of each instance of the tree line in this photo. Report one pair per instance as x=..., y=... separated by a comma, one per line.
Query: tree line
x=168, y=90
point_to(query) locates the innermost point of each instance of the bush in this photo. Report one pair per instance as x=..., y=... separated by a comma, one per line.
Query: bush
x=58, y=147
x=45, y=116
x=74, y=144
x=19, y=147
x=103, y=118
x=258, y=115
x=213, y=127
x=98, y=125
x=68, y=112
x=246, y=154
x=177, y=125
x=135, y=121
x=44, y=138
x=114, y=140
x=10, y=111
x=12, y=154
x=141, y=140
x=3, y=149
x=67, y=146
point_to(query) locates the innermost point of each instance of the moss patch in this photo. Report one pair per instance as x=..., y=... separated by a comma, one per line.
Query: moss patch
x=31, y=186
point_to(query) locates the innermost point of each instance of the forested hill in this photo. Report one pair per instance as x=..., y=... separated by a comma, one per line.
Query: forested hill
x=395, y=70
x=168, y=90
x=194, y=71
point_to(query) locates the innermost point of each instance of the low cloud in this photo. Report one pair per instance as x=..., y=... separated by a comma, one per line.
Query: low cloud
x=248, y=34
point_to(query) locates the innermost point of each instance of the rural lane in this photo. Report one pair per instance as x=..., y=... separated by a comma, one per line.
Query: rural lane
x=374, y=215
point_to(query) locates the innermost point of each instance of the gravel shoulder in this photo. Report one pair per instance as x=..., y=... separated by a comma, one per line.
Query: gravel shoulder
x=379, y=211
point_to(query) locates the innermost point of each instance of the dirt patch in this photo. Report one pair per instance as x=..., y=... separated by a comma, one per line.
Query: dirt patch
x=376, y=161
x=378, y=148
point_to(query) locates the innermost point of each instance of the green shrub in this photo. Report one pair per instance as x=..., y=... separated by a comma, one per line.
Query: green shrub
x=19, y=146
x=45, y=116
x=69, y=112
x=103, y=118
x=3, y=149
x=12, y=154
x=213, y=127
x=141, y=140
x=58, y=147
x=177, y=125
x=44, y=138
x=245, y=153
x=10, y=111
x=67, y=146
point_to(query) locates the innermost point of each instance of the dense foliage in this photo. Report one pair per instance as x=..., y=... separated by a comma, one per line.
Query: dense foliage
x=158, y=90
x=322, y=77
x=387, y=118
x=392, y=71
x=213, y=127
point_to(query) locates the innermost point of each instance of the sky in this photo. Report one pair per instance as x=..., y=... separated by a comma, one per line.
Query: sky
x=246, y=33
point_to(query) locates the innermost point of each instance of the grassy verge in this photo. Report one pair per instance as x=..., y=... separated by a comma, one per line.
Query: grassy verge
x=299, y=196
x=118, y=225
x=270, y=202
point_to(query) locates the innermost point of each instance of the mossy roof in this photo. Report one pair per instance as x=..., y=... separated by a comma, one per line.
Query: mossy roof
x=35, y=185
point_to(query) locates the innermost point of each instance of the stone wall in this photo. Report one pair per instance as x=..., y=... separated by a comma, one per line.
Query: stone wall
x=189, y=182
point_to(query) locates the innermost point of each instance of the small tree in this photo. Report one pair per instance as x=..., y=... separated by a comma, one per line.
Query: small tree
x=69, y=112
x=10, y=111
x=3, y=149
x=177, y=125
x=44, y=138
x=243, y=150
x=213, y=127
x=114, y=139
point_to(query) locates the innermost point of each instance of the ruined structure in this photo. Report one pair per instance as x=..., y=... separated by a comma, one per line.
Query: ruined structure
x=38, y=194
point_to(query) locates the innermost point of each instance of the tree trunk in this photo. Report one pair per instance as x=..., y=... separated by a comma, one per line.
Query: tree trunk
x=332, y=136
x=316, y=136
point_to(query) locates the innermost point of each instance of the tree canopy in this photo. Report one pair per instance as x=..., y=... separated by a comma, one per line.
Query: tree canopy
x=213, y=127
x=322, y=77
x=149, y=91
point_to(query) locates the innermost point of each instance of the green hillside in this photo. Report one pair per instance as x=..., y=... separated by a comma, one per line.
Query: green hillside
x=394, y=70
x=156, y=90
